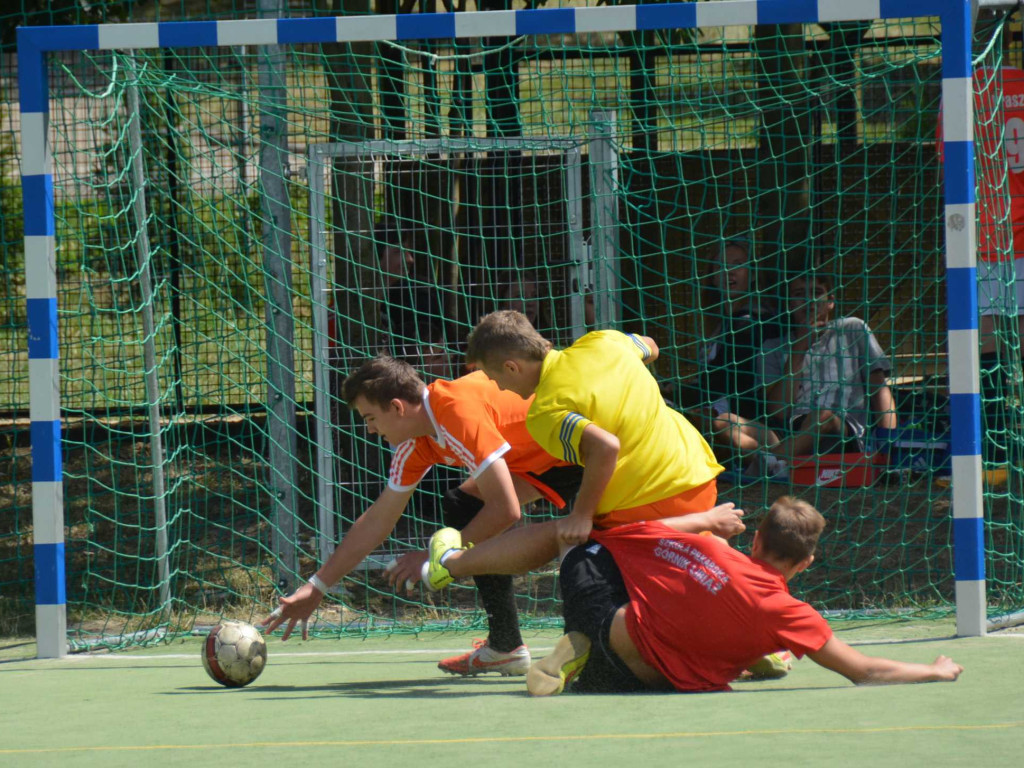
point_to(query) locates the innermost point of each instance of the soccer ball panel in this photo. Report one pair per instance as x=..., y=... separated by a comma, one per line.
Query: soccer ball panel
x=234, y=653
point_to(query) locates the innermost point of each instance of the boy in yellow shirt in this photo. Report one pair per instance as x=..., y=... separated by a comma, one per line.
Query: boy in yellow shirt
x=597, y=405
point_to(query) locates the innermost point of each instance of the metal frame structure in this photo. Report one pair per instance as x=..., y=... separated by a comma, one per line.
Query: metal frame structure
x=36, y=43
x=318, y=165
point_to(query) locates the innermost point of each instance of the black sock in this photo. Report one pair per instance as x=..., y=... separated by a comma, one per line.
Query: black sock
x=499, y=600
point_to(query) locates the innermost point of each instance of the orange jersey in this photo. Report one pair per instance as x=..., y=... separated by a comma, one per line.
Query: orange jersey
x=475, y=424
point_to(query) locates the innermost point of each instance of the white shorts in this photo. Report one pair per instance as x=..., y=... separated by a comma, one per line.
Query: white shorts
x=1001, y=287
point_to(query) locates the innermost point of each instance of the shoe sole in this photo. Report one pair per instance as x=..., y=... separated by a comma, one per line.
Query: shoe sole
x=550, y=675
x=475, y=672
x=770, y=667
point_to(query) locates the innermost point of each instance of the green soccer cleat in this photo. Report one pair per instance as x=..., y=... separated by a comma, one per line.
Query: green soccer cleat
x=550, y=675
x=435, y=575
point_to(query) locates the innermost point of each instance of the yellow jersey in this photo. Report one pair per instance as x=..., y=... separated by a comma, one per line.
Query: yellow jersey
x=601, y=379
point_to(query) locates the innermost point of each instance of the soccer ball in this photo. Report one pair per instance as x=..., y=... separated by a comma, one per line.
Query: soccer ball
x=234, y=653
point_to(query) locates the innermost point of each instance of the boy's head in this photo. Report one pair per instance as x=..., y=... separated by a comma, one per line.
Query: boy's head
x=506, y=347
x=384, y=391
x=791, y=531
x=381, y=380
x=733, y=276
x=521, y=293
x=393, y=249
x=811, y=300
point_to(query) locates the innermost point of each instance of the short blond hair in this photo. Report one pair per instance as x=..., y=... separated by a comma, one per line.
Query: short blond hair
x=504, y=335
x=791, y=530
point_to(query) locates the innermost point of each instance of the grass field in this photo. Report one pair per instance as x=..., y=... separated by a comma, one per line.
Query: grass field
x=383, y=702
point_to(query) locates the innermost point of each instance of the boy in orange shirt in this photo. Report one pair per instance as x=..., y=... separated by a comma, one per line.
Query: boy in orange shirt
x=467, y=423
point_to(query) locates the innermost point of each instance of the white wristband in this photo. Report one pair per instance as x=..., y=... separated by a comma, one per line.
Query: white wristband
x=318, y=584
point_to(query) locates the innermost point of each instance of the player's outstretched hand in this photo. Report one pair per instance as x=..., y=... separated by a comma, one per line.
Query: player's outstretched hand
x=297, y=607
x=407, y=569
x=574, y=528
x=725, y=520
x=946, y=669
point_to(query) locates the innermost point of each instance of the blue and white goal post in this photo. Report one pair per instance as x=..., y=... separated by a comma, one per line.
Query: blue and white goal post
x=35, y=44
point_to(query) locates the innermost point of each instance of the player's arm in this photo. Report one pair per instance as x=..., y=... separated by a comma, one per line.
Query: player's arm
x=599, y=450
x=366, y=534
x=501, y=505
x=652, y=346
x=644, y=346
x=883, y=404
x=724, y=520
x=870, y=670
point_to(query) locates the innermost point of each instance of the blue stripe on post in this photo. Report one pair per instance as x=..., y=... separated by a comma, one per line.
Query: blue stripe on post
x=968, y=548
x=678, y=15
x=956, y=37
x=42, y=329
x=47, y=466
x=187, y=34
x=49, y=569
x=84, y=37
x=959, y=172
x=322, y=30
x=548, y=21
x=962, y=298
x=965, y=424
x=33, y=88
x=905, y=9
x=423, y=26
x=37, y=202
x=787, y=11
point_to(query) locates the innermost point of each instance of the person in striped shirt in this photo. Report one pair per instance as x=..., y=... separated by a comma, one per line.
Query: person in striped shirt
x=469, y=423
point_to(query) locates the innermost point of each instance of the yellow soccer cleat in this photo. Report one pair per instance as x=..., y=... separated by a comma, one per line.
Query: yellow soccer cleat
x=435, y=575
x=550, y=675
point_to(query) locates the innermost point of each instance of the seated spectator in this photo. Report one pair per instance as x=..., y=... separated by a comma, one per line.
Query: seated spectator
x=412, y=312
x=826, y=382
x=730, y=375
x=522, y=294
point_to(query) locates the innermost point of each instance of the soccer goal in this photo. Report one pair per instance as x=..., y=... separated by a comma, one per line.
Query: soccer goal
x=213, y=212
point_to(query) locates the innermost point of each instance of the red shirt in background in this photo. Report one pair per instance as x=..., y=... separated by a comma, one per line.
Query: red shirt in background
x=999, y=162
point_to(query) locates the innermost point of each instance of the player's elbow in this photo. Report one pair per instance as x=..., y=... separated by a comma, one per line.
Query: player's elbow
x=652, y=345
x=513, y=514
x=609, y=447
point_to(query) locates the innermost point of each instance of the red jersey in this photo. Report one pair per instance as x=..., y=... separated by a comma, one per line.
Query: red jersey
x=999, y=162
x=699, y=611
x=475, y=423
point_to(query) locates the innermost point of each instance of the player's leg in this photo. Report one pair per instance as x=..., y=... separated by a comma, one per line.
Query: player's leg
x=503, y=651
x=520, y=550
x=592, y=593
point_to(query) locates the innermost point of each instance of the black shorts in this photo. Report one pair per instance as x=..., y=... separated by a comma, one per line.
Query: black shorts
x=564, y=481
x=592, y=591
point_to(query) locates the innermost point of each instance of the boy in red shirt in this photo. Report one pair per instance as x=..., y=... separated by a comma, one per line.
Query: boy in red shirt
x=466, y=423
x=658, y=606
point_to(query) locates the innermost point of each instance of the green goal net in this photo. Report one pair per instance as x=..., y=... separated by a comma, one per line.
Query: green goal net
x=238, y=226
